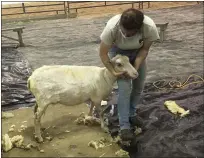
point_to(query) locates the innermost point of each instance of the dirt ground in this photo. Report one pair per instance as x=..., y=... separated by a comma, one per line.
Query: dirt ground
x=75, y=42
x=72, y=144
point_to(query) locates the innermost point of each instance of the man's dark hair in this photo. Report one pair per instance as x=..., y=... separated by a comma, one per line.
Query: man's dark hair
x=132, y=19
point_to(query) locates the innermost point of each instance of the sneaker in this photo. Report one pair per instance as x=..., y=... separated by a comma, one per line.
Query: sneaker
x=126, y=134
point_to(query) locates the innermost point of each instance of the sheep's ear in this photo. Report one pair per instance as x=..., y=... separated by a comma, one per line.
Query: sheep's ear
x=112, y=61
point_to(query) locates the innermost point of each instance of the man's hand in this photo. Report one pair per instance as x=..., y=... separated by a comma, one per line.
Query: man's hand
x=137, y=74
x=126, y=76
x=118, y=74
x=142, y=54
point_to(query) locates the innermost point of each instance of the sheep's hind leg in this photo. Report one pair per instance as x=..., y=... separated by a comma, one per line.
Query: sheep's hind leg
x=37, y=122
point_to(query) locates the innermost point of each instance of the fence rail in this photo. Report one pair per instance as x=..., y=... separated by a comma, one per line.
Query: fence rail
x=42, y=5
x=141, y=5
x=66, y=7
x=23, y=7
x=57, y=11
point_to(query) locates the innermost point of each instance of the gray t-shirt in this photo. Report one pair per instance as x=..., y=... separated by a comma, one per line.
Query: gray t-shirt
x=112, y=35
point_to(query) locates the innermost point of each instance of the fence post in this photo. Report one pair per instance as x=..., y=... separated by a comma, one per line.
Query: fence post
x=148, y=4
x=20, y=39
x=23, y=6
x=68, y=6
x=65, y=8
x=105, y=3
x=132, y=4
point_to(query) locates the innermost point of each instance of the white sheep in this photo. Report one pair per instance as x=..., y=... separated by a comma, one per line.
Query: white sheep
x=73, y=85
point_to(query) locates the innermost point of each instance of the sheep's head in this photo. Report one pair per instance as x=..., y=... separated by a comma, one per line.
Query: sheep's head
x=121, y=64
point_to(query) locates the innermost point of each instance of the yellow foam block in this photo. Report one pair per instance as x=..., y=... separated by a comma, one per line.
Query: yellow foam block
x=175, y=108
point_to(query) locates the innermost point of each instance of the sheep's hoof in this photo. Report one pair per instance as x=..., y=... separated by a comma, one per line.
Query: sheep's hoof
x=105, y=129
x=39, y=139
x=90, y=114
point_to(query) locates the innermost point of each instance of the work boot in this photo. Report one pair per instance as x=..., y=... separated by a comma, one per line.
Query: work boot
x=136, y=121
x=126, y=134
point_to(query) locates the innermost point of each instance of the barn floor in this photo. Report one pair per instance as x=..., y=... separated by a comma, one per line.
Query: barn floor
x=75, y=42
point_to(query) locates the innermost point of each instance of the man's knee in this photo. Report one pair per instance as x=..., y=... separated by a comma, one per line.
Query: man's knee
x=124, y=86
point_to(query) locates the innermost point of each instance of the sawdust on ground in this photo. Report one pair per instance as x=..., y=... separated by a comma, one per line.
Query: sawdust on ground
x=69, y=139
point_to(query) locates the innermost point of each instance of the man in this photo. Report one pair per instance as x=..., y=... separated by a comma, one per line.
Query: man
x=130, y=34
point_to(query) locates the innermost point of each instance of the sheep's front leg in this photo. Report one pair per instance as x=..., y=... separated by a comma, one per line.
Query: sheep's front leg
x=91, y=109
x=97, y=104
x=101, y=113
x=101, y=116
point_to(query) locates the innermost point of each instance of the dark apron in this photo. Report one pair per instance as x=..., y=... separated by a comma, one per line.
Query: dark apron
x=131, y=54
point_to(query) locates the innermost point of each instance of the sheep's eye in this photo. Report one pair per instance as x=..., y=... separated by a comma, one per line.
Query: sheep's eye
x=119, y=64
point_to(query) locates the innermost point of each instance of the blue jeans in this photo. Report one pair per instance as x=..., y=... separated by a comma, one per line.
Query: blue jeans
x=129, y=90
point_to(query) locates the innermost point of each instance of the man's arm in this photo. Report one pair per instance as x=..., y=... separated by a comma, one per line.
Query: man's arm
x=103, y=53
x=142, y=54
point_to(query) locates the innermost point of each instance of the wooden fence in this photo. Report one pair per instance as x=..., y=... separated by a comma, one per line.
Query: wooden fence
x=64, y=7
x=24, y=9
x=106, y=4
